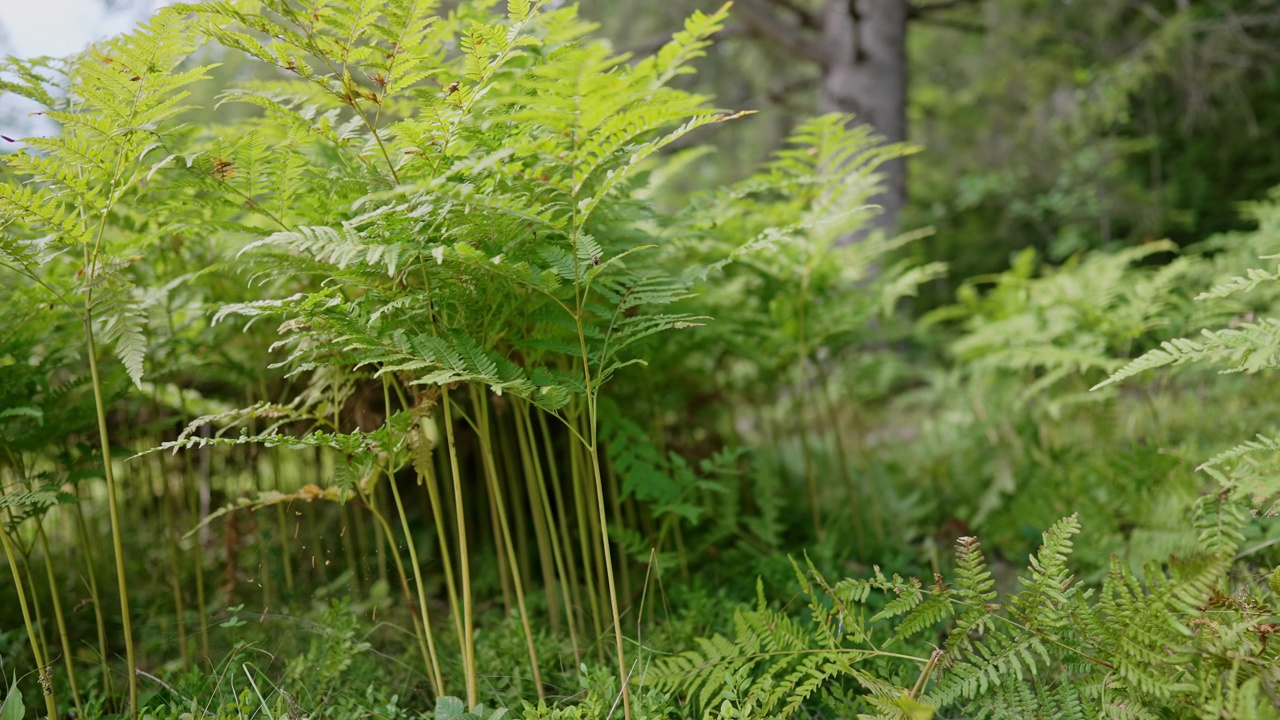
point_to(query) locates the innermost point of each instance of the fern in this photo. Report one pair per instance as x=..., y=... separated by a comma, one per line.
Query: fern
x=1157, y=648
x=109, y=148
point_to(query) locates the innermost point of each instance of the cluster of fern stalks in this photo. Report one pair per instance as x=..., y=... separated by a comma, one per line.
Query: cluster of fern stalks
x=451, y=215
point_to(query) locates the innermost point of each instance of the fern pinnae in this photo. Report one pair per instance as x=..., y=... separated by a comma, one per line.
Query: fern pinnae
x=1251, y=280
x=1170, y=352
x=1260, y=444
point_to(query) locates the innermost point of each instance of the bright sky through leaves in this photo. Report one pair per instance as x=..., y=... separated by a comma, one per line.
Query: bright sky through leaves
x=58, y=28
x=63, y=27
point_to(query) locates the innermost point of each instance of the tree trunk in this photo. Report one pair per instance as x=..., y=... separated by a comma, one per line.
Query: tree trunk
x=865, y=73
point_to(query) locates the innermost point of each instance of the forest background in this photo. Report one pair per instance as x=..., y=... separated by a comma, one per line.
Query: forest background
x=365, y=520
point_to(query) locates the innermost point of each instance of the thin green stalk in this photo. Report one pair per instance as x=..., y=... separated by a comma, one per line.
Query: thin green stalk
x=682, y=557
x=200, y=492
x=378, y=542
x=428, y=656
x=63, y=636
x=594, y=518
x=270, y=595
x=592, y=437
x=38, y=613
x=504, y=563
x=113, y=511
x=619, y=641
x=616, y=506
x=495, y=491
x=315, y=536
x=585, y=546
x=253, y=462
x=468, y=647
x=842, y=456
x=91, y=573
x=175, y=561
x=505, y=459
x=349, y=550
x=540, y=525
x=46, y=673
x=562, y=527
x=468, y=623
x=427, y=474
x=413, y=551
x=539, y=491
x=196, y=507
x=360, y=538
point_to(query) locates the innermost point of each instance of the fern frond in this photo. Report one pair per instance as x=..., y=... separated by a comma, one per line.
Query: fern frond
x=1170, y=352
x=1252, y=278
x=1049, y=583
x=1260, y=444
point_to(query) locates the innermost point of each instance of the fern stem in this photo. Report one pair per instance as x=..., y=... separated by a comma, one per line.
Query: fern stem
x=350, y=555
x=615, y=505
x=198, y=509
x=594, y=451
x=585, y=544
x=592, y=437
x=504, y=527
x=506, y=459
x=565, y=545
x=113, y=511
x=437, y=678
x=428, y=657
x=194, y=503
x=379, y=541
x=535, y=488
x=282, y=525
x=175, y=554
x=38, y=612
x=91, y=572
x=46, y=673
x=433, y=659
x=428, y=475
x=923, y=680
x=63, y=637
x=468, y=623
x=499, y=547
x=315, y=530
x=842, y=457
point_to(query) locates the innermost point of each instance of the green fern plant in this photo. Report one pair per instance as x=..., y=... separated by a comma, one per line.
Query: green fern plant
x=794, y=302
x=73, y=207
x=1185, y=640
x=1244, y=473
x=457, y=220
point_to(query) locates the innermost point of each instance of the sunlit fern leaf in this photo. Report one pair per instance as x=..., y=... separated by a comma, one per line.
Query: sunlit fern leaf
x=28, y=206
x=1260, y=444
x=127, y=88
x=33, y=78
x=1170, y=352
x=1252, y=279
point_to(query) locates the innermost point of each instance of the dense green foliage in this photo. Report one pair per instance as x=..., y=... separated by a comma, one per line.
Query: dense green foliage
x=435, y=392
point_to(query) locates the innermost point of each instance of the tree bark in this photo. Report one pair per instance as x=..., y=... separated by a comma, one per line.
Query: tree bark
x=864, y=72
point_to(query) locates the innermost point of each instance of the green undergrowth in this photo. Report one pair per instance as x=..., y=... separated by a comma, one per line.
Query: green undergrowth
x=358, y=362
